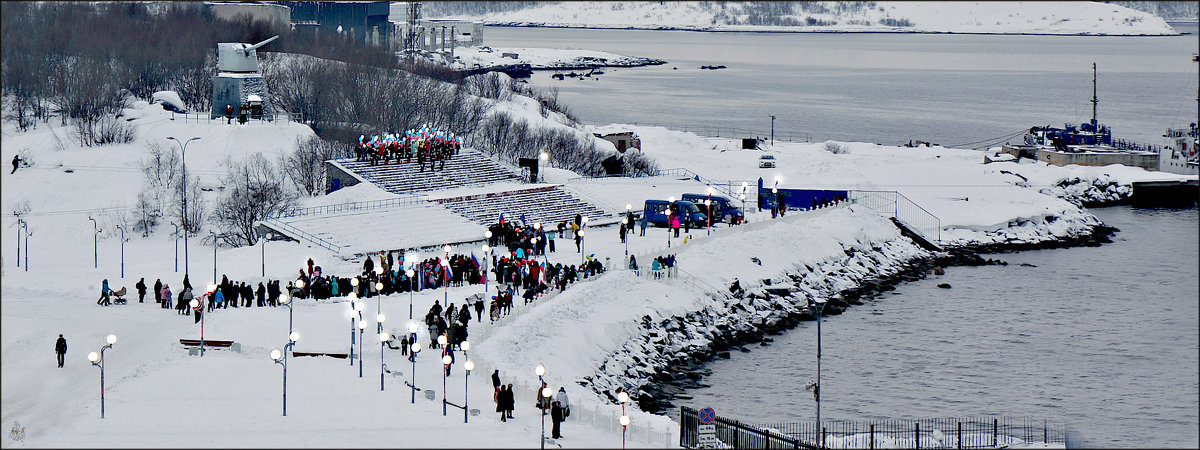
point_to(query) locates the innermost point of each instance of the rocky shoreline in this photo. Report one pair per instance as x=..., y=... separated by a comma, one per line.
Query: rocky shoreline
x=668, y=357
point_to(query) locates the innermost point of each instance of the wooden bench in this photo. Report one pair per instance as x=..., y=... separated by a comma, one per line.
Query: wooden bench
x=194, y=345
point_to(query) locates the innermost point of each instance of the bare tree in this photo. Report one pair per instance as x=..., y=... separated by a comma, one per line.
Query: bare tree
x=195, y=205
x=253, y=191
x=306, y=165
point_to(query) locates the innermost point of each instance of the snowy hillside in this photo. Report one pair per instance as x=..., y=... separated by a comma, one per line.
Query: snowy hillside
x=1066, y=18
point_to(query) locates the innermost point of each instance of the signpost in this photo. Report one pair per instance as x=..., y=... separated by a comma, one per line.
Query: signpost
x=707, y=431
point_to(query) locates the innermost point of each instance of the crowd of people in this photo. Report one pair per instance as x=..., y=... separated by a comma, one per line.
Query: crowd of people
x=427, y=144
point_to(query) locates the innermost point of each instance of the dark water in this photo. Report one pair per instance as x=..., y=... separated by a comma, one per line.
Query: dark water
x=1102, y=339
x=883, y=88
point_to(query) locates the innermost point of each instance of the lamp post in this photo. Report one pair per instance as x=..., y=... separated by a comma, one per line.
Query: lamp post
x=263, y=247
x=383, y=338
x=98, y=361
x=582, y=247
x=287, y=301
x=415, y=347
x=745, y=185
x=176, y=246
x=95, y=245
x=819, y=305
x=362, y=326
x=545, y=159
x=214, y=238
x=123, y=240
x=446, y=360
x=25, y=226
x=540, y=370
x=183, y=152
x=775, y=193
x=623, y=398
x=410, y=273
x=468, y=366
x=21, y=223
x=355, y=312
x=281, y=358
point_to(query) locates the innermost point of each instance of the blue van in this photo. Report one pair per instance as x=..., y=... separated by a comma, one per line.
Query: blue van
x=723, y=209
x=655, y=213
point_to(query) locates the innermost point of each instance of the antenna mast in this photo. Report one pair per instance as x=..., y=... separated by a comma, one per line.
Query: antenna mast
x=410, y=38
x=1094, y=100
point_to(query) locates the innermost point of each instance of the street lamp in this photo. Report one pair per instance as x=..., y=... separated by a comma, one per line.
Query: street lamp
x=176, y=246
x=623, y=398
x=582, y=247
x=95, y=246
x=355, y=312
x=446, y=360
x=410, y=274
x=383, y=338
x=819, y=305
x=772, y=130
x=486, y=250
x=123, y=240
x=414, y=347
x=540, y=370
x=21, y=223
x=287, y=301
x=745, y=185
x=214, y=238
x=25, y=225
x=545, y=158
x=183, y=151
x=362, y=326
x=281, y=358
x=469, y=366
x=263, y=247
x=98, y=361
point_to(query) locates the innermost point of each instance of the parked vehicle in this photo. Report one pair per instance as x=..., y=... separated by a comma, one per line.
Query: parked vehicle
x=766, y=162
x=722, y=208
x=656, y=213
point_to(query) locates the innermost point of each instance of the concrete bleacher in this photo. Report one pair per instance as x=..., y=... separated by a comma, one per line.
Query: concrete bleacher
x=467, y=168
x=413, y=226
x=545, y=204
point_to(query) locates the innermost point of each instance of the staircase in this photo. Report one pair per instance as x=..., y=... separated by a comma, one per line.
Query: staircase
x=467, y=168
x=547, y=205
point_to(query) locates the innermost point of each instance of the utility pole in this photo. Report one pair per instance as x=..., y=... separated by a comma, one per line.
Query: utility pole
x=1094, y=99
x=772, y=130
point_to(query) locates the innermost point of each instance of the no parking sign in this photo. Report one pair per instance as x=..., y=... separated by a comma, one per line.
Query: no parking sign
x=707, y=436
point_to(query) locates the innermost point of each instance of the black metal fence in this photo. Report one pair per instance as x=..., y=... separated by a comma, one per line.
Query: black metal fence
x=948, y=432
x=731, y=433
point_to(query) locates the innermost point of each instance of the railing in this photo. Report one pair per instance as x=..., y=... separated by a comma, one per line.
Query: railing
x=731, y=433
x=351, y=206
x=279, y=117
x=895, y=204
x=948, y=432
x=316, y=240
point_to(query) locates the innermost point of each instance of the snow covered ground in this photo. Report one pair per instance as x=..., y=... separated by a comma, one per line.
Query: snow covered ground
x=158, y=396
x=1066, y=18
x=544, y=58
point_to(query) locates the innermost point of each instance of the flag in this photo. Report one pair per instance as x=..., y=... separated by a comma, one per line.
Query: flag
x=501, y=218
x=522, y=219
x=474, y=260
x=420, y=279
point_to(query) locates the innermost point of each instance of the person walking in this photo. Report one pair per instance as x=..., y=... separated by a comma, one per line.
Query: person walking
x=166, y=296
x=16, y=161
x=479, y=309
x=141, y=288
x=556, y=416
x=104, y=291
x=496, y=386
x=561, y=398
x=60, y=348
x=510, y=400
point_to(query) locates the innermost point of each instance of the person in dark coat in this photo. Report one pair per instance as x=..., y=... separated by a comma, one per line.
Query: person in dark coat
x=60, y=348
x=16, y=161
x=510, y=401
x=556, y=416
x=501, y=402
x=158, y=293
x=496, y=385
x=141, y=288
x=262, y=295
x=478, y=309
x=186, y=284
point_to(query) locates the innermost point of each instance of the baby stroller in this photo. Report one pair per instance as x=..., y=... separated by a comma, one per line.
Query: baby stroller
x=119, y=296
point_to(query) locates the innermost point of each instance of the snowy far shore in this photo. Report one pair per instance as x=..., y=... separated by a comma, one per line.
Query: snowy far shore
x=1040, y=18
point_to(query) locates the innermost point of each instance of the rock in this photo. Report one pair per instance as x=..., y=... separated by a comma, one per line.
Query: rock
x=944, y=285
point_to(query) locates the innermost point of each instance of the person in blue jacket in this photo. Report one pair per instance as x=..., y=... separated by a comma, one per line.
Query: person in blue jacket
x=104, y=292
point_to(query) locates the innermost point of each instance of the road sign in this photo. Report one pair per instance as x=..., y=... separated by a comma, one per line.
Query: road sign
x=702, y=429
x=707, y=415
x=707, y=439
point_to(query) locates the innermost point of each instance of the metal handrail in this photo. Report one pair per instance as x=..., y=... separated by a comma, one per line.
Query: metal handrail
x=352, y=206
x=312, y=238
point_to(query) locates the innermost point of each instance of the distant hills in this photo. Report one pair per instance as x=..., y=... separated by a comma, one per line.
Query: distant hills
x=1066, y=18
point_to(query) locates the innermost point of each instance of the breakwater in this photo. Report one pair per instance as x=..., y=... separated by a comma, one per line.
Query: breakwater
x=667, y=357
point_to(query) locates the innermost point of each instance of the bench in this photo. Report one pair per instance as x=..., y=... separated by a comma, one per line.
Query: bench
x=194, y=345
